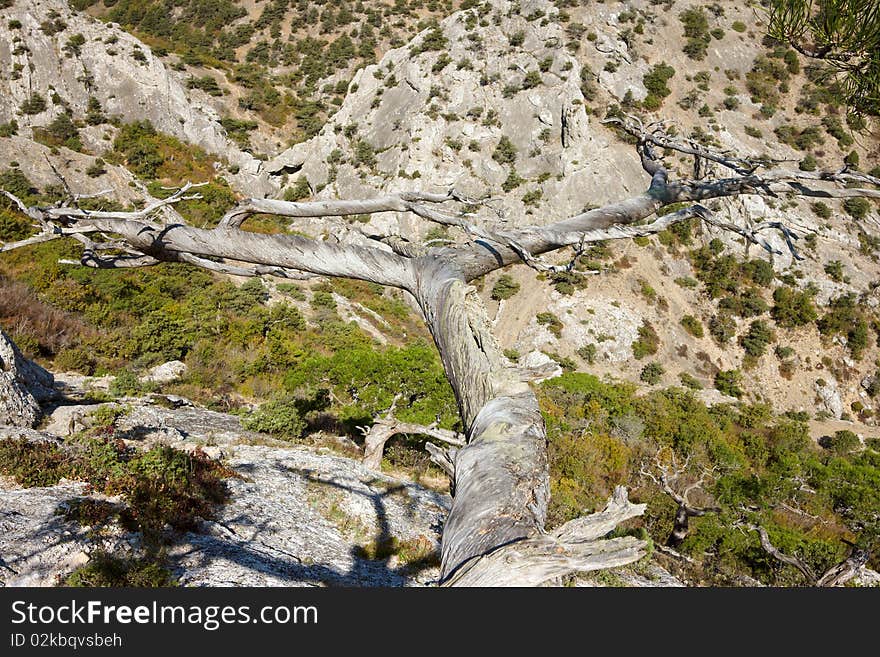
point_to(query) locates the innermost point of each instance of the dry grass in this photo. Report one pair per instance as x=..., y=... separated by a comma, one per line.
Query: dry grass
x=38, y=328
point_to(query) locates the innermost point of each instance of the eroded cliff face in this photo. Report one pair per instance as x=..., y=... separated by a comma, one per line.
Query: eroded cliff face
x=432, y=113
x=23, y=385
x=66, y=57
x=507, y=101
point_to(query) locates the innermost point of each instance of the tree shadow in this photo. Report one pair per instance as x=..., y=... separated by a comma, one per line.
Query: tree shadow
x=250, y=543
x=371, y=564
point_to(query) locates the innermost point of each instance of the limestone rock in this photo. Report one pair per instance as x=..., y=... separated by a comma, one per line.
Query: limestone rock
x=297, y=516
x=23, y=385
x=36, y=544
x=300, y=518
x=538, y=366
x=126, y=78
x=166, y=372
x=443, y=124
x=829, y=396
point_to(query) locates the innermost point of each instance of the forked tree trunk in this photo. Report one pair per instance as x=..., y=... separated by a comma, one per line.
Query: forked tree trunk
x=494, y=534
x=502, y=480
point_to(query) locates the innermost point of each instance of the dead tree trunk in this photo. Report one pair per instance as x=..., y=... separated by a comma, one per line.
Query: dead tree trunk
x=838, y=575
x=667, y=477
x=385, y=428
x=495, y=531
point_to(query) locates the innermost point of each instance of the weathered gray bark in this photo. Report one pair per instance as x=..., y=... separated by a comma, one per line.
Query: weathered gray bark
x=384, y=429
x=495, y=531
x=501, y=476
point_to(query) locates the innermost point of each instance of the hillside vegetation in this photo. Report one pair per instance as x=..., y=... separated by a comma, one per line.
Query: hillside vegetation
x=759, y=374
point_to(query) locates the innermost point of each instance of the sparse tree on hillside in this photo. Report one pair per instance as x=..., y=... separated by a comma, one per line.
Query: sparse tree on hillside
x=844, y=34
x=494, y=533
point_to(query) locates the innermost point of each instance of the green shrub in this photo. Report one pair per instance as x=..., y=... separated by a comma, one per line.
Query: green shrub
x=299, y=191
x=808, y=164
x=96, y=168
x=551, y=321
x=109, y=570
x=504, y=288
x=722, y=327
x=505, y=152
x=33, y=463
x=647, y=343
x=60, y=132
x=821, y=210
x=792, y=307
x=846, y=317
x=126, y=384
x=841, y=443
x=655, y=82
x=857, y=208
x=835, y=128
x=512, y=181
x=74, y=44
x=35, y=104
x=728, y=382
x=9, y=129
x=532, y=198
x=588, y=353
x=161, y=486
x=94, y=112
x=652, y=373
x=364, y=154
x=834, y=269
x=692, y=325
x=757, y=338
x=696, y=32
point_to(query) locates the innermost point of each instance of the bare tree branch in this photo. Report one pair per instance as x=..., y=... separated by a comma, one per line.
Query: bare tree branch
x=668, y=474
x=383, y=429
x=402, y=202
x=576, y=546
x=770, y=549
x=838, y=575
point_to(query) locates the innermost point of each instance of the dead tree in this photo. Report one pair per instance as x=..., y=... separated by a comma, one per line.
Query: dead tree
x=385, y=427
x=668, y=476
x=838, y=575
x=494, y=533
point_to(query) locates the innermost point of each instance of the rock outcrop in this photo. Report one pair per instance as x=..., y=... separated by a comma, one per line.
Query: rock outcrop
x=112, y=66
x=297, y=516
x=23, y=385
x=166, y=372
x=433, y=117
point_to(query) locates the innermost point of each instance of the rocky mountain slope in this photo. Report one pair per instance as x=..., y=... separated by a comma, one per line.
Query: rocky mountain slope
x=296, y=516
x=509, y=103
x=501, y=101
x=56, y=60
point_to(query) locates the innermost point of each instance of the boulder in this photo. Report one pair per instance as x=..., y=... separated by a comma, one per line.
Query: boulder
x=23, y=385
x=166, y=372
x=829, y=397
